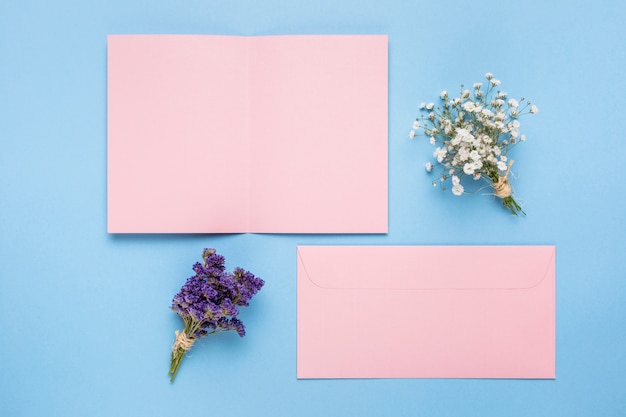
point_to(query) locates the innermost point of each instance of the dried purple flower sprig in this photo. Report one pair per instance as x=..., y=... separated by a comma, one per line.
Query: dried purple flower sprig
x=208, y=303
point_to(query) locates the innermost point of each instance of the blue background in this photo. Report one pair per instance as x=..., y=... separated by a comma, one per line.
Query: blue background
x=85, y=325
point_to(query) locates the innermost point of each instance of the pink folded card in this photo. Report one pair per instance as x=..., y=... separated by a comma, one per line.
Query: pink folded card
x=426, y=312
x=228, y=134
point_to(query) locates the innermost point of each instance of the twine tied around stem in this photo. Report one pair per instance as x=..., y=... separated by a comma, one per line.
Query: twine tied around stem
x=182, y=341
x=502, y=187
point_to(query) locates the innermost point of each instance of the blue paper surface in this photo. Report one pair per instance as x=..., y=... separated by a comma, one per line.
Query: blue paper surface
x=84, y=316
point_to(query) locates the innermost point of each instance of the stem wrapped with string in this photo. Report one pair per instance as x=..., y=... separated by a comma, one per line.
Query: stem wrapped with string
x=473, y=134
x=208, y=303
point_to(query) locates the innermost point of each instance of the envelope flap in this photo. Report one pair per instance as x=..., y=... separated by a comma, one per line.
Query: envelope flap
x=426, y=267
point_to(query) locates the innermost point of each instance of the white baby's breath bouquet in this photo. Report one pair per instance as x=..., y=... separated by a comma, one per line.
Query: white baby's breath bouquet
x=472, y=134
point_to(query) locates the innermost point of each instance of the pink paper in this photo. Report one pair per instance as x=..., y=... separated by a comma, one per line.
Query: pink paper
x=426, y=312
x=227, y=134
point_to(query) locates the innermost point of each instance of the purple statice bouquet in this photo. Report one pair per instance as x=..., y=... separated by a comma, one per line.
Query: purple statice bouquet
x=208, y=303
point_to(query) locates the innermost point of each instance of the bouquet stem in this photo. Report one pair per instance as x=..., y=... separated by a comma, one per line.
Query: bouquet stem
x=177, y=358
x=180, y=347
x=503, y=190
x=510, y=203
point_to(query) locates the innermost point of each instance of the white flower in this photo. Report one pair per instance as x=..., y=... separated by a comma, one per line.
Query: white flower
x=440, y=154
x=411, y=134
x=464, y=135
x=463, y=153
x=534, y=110
x=471, y=132
x=469, y=106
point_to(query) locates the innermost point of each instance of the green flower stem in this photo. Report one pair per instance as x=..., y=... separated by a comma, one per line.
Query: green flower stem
x=508, y=202
x=191, y=327
x=511, y=204
x=176, y=360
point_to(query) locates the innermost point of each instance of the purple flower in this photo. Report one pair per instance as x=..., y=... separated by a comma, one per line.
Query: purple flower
x=248, y=285
x=228, y=308
x=208, y=302
x=237, y=325
x=232, y=324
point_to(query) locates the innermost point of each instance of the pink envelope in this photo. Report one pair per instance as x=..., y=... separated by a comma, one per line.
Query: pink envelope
x=232, y=134
x=426, y=312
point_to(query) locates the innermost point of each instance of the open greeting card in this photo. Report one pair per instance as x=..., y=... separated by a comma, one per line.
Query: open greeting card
x=426, y=311
x=229, y=134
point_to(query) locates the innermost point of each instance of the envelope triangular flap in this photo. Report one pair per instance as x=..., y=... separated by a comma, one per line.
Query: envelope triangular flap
x=426, y=267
